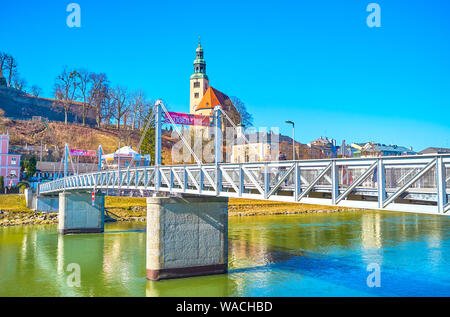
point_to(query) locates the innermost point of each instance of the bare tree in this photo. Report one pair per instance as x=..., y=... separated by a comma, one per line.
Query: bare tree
x=98, y=95
x=36, y=90
x=137, y=100
x=83, y=82
x=108, y=107
x=144, y=111
x=65, y=89
x=19, y=82
x=8, y=70
x=11, y=68
x=119, y=97
x=246, y=117
x=3, y=58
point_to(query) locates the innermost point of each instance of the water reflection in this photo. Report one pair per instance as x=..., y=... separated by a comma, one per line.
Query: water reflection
x=213, y=286
x=295, y=255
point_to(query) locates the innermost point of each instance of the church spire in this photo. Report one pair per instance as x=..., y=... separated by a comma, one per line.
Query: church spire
x=199, y=63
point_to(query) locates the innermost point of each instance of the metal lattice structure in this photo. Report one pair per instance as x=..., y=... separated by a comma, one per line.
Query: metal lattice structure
x=404, y=183
x=400, y=183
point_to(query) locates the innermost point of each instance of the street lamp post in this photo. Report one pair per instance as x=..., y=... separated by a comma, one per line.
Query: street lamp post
x=293, y=138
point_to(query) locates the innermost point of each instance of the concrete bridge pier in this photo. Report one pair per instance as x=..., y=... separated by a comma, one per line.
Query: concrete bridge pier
x=42, y=203
x=186, y=236
x=77, y=214
x=28, y=193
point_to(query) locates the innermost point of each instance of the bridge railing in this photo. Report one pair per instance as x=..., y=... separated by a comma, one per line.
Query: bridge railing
x=407, y=183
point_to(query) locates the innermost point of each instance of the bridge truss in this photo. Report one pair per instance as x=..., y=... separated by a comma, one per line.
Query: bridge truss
x=405, y=183
x=400, y=183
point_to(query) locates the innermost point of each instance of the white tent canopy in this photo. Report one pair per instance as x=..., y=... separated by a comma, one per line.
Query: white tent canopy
x=125, y=151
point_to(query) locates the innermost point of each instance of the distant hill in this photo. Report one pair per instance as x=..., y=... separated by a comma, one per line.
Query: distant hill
x=19, y=105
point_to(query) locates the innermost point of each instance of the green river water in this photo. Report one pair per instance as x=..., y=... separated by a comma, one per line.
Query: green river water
x=287, y=255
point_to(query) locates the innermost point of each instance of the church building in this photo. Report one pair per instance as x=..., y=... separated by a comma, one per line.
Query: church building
x=204, y=98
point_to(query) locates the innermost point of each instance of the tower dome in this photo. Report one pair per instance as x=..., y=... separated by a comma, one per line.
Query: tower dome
x=199, y=63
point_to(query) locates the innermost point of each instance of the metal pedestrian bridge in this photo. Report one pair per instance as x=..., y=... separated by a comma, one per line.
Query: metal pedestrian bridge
x=402, y=183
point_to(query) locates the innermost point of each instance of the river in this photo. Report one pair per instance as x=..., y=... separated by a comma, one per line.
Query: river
x=320, y=254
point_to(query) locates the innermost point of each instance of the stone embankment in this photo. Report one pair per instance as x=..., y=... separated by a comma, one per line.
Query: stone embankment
x=10, y=218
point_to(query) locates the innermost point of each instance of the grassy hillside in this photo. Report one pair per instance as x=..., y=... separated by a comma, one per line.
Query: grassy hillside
x=78, y=137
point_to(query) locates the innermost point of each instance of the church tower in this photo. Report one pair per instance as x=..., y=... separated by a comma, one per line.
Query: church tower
x=199, y=81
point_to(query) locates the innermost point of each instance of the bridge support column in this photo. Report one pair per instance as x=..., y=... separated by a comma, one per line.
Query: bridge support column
x=186, y=236
x=28, y=193
x=44, y=203
x=78, y=215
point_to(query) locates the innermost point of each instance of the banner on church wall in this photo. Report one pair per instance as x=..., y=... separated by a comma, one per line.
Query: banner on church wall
x=188, y=119
x=75, y=152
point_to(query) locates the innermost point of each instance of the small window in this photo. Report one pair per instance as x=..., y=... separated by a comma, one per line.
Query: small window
x=14, y=161
x=196, y=95
x=196, y=84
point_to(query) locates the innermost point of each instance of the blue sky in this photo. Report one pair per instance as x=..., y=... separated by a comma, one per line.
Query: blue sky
x=315, y=62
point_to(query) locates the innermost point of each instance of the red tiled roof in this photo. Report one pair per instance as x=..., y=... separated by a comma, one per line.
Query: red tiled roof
x=212, y=98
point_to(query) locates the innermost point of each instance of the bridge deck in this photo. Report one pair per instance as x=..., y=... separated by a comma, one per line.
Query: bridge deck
x=408, y=183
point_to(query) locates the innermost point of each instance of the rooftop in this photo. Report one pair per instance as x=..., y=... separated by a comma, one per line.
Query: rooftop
x=435, y=150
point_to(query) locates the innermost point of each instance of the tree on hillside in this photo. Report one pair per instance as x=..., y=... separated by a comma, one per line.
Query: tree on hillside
x=246, y=117
x=108, y=107
x=65, y=89
x=11, y=68
x=3, y=57
x=137, y=101
x=19, y=82
x=8, y=67
x=148, y=143
x=120, y=104
x=83, y=83
x=98, y=95
x=36, y=90
x=29, y=167
x=144, y=111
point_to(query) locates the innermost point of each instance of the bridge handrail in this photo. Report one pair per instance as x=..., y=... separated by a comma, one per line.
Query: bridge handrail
x=286, y=180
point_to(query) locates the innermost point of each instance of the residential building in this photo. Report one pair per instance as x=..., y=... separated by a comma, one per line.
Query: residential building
x=323, y=148
x=345, y=150
x=372, y=149
x=47, y=171
x=9, y=163
x=261, y=146
x=435, y=150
